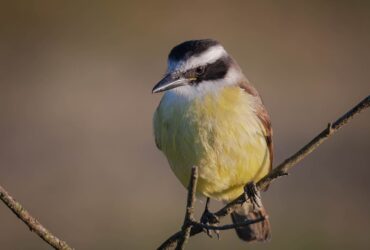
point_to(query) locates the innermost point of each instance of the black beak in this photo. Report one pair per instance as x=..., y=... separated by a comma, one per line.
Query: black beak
x=170, y=81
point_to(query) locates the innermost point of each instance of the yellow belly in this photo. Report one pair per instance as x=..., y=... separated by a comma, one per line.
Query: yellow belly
x=220, y=133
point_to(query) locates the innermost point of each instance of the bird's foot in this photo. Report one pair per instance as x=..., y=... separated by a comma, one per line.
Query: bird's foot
x=251, y=193
x=209, y=218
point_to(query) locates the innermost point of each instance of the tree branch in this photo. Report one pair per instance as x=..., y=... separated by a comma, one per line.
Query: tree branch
x=229, y=226
x=281, y=170
x=31, y=222
x=189, y=215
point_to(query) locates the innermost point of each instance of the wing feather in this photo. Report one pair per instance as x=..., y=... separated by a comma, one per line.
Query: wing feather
x=263, y=116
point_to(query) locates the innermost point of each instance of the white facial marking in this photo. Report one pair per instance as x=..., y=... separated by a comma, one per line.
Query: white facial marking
x=189, y=92
x=207, y=57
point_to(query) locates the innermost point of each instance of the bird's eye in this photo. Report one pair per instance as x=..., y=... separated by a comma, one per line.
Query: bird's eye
x=199, y=70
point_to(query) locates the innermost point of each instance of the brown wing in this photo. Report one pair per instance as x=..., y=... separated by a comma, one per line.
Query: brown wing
x=262, y=115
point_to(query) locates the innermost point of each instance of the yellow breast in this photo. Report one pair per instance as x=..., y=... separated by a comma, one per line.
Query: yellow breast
x=220, y=133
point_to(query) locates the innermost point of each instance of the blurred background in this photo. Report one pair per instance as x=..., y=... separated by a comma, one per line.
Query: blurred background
x=76, y=143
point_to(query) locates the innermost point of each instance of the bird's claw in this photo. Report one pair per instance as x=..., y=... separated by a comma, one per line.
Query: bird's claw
x=209, y=218
x=251, y=193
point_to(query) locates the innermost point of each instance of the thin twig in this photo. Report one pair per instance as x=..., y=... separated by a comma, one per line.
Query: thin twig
x=229, y=226
x=31, y=222
x=281, y=170
x=189, y=215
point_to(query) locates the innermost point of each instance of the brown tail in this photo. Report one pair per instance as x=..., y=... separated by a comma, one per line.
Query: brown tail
x=259, y=231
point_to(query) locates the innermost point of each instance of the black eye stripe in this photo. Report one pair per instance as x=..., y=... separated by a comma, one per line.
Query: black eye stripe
x=200, y=70
x=216, y=70
x=209, y=72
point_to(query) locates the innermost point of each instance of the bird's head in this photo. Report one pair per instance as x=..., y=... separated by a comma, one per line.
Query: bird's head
x=199, y=66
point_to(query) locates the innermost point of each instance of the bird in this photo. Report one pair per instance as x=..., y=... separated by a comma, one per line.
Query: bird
x=212, y=117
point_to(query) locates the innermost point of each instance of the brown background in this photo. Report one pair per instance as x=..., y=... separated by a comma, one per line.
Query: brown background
x=76, y=144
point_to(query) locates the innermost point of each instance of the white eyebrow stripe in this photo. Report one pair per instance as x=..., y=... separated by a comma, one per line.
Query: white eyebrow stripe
x=209, y=56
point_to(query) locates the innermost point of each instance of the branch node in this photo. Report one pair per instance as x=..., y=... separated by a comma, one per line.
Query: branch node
x=282, y=173
x=330, y=128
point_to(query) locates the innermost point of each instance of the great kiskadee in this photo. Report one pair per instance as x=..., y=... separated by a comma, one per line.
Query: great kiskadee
x=210, y=116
